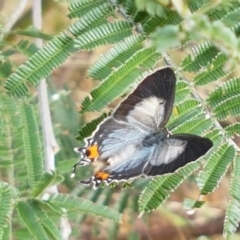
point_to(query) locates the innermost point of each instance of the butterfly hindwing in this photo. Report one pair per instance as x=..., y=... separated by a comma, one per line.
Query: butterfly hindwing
x=175, y=152
x=164, y=156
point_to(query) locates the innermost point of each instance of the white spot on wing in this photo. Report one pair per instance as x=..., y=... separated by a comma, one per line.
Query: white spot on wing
x=149, y=112
x=174, y=150
x=167, y=151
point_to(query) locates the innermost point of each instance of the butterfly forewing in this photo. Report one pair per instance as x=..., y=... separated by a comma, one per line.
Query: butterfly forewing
x=151, y=103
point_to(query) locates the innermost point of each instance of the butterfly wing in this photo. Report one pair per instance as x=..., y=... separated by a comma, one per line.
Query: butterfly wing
x=146, y=109
x=159, y=158
x=175, y=152
x=150, y=104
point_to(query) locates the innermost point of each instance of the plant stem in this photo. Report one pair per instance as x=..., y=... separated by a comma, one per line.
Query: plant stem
x=50, y=143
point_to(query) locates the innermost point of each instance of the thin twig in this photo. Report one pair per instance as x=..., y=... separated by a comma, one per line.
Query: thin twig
x=50, y=143
x=13, y=17
x=195, y=94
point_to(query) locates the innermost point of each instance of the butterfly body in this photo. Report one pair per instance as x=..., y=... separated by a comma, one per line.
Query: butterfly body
x=133, y=141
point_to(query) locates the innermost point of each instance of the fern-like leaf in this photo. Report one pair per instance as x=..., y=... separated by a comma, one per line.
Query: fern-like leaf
x=232, y=217
x=31, y=220
x=223, y=12
x=196, y=125
x=93, y=18
x=151, y=24
x=106, y=33
x=224, y=92
x=228, y=107
x=7, y=199
x=85, y=206
x=32, y=146
x=49, y=226
x=39, y=65
x=46, y=181
x=215, y=168
x=201, y=56
x=224, y=100
x=87, y=129
x=216, y=136
x=182, y=91
x=214, y=71
x=116, y=56
x=80, y=8
x=195, y=5
x=119, y=80
x=185, y=111
x=233, y=129
x=160, y=188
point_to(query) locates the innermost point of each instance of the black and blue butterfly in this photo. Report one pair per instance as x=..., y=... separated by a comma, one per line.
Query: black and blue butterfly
x=133, y=142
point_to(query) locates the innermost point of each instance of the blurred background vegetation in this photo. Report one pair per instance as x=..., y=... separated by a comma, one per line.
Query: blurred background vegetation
x=67, y=87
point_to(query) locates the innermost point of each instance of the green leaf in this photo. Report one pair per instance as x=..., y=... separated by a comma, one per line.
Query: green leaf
x=116, y=57
x=39, y=65
x=32, y=145
x=215, y=168
x=214, y=71
x=32, y=32
x=46, y=181
x=103, y=34
x=224, y=92
x=150, y=24
x=182, y=91
x=81, y=8
x=88, y=128
x=216, y=136
x=160, y=188
x=185, y=111
x=85, y=206
x=201, y=56
x=7, y=200
x=93, y=18
x=49, y=226
x=228, y=107
x=31, y=220
x=120, y=80
x=232, y=216
x=233, y=129
x=196, y=125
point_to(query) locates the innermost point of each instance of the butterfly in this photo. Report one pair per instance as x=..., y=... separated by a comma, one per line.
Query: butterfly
x=133, y=142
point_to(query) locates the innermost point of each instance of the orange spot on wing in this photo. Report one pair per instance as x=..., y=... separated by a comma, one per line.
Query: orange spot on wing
x=101, y=175
x=92, y=152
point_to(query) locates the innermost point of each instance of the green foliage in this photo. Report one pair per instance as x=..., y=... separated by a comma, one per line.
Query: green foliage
x=138, y=35
x=46, y=181
x=72, y=203
x=215, y=167
x=90, y=127
x=117, y=82
x=160, y=188
x=232, y=217
x=32, y=144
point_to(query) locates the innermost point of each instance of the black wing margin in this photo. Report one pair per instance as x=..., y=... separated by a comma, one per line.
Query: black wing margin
x=194, y=148
x=160, y=84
